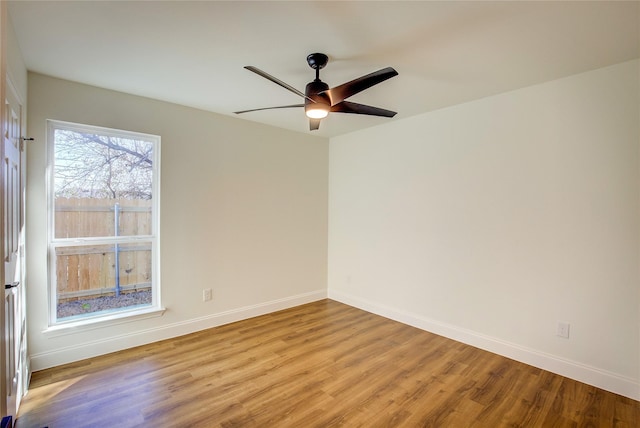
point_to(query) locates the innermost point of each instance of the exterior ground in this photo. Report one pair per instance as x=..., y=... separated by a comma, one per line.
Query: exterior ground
x=103, y=303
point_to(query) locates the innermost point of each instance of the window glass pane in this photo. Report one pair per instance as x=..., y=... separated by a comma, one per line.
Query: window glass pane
x=97, y=176
x=93, y=279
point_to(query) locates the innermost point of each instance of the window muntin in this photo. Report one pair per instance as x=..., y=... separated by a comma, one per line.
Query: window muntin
x=103, y=218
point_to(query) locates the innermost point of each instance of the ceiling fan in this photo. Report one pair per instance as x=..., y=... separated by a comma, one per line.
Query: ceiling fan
x=319, y=100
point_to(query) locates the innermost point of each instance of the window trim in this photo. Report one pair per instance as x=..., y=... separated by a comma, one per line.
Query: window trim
x=71, y=327
x=115, y=317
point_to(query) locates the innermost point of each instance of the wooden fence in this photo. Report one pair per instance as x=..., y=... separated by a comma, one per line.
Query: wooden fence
x=84, y=271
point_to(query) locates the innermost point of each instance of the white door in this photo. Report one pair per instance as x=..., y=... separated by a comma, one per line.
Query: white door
x=14, y=299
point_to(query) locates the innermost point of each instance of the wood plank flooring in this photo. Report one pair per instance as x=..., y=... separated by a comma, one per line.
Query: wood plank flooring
x=324, y=364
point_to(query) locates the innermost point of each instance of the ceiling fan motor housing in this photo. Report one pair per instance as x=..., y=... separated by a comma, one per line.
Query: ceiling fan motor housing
x=313, y=90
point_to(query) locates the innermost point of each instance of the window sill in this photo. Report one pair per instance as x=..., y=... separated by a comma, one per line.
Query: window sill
x=73, y=327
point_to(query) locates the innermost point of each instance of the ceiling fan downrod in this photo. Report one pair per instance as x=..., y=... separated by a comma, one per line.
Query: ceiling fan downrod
x=317, y=61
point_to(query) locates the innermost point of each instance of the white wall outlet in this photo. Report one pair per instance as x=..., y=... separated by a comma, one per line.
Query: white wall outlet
x=563, y=329
x=207, y=294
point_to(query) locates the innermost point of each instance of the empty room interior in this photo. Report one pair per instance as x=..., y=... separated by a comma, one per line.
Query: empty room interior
x=318, y=213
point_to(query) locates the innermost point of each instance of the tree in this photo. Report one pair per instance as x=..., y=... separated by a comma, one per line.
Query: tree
x=101, y=166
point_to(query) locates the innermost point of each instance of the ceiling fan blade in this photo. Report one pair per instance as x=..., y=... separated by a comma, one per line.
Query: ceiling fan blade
x=276, y=81
x=349, y=107
x=314, y=124
x=344, y=91
x=268, y=108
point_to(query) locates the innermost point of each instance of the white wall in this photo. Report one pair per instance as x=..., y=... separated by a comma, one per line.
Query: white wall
x=491, y=221
x=243, y=211
x=16, y=69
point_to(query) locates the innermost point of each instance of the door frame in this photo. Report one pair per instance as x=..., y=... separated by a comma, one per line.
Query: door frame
x=3, y=74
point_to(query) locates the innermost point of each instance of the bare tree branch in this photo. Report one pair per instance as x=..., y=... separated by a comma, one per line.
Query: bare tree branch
x=92, y=165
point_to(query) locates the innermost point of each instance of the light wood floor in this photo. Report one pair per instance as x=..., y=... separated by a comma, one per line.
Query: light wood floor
x=324, y=364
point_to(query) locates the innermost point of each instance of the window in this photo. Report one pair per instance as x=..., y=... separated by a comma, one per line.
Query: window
x=103, y=223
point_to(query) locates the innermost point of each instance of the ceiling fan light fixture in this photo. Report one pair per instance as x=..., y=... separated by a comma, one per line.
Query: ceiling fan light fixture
x=317, y=110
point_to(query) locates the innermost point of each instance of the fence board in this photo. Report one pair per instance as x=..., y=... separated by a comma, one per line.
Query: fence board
x=62, y=267
x=95, y=265
x=87, y=270
x=72, y=273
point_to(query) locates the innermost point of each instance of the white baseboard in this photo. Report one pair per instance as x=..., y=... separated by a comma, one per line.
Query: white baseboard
x=98, y=347
x=574, y=370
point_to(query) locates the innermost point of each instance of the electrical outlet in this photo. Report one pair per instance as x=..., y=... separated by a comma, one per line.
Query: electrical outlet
x=207, y=294
x=563, y=329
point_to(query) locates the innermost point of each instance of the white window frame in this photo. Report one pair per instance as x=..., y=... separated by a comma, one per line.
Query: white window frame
x=115, y=317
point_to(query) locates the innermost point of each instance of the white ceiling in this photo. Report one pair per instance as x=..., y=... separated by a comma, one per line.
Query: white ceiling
x=446, y=53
